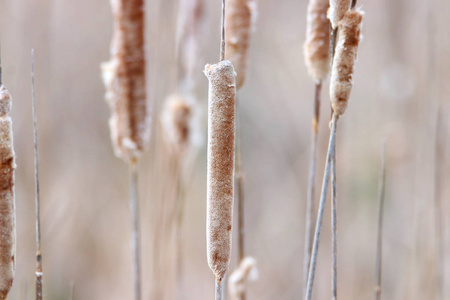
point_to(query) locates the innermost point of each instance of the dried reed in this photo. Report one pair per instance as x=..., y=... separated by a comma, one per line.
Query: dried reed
x=220, y=190
x=337, y=10
x=240, y=17
x=381, y=193
x=238, y=280
x=333, y=226
x=317, y=60
x=7, y=195
x=39, y=274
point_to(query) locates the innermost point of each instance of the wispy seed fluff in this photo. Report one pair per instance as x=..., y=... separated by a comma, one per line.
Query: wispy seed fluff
x=317, y=45
x=180, y=123
x=124, y=78
x=220, y=173
x=237, y=282
x=337, y=10
x=239, y=20
x=7, y=198
x=344, y=60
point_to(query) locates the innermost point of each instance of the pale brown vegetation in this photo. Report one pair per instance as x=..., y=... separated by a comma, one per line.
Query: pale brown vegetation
x=337, y=10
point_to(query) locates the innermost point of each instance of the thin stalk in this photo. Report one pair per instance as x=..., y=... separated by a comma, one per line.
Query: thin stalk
x=135, y=239
x=334, y=225
x=180, y=198
x=38, y=203
x=219, y=290
x=309, y=227
x=222, y=35
x=381, y=193
x=323, y=196
x=352, y=6
x=1, y=78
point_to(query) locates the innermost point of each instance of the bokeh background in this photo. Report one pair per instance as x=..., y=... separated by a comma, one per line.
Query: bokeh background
x=401, y=81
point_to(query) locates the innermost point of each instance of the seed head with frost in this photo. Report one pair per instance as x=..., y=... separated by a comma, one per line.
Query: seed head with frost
x=124, y=79
x=220, y=173
x=237, y=282
x=344, y=60
x=7, y=197
x=317, y=45
x=337, y=10
x=239, y=20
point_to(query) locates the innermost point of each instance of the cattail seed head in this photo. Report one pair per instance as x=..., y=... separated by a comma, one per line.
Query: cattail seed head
x=124, y=79
x=220, y=175
x=344, y=60
x=7, y=198
x=337, y=10
x=317, y=45
x=179, y=120
x=239, y=19
x=237, y=282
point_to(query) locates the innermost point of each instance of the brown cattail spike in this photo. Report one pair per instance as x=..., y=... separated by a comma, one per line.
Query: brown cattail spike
x=344, y=60
x=220, y=189
x=337, y=10
x=317, y=45
x=124, y=78
x=239, y=19
x=7, y=200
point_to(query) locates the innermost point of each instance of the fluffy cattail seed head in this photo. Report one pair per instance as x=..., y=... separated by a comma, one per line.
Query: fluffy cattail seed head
x=220, y=175
x=179, y=121
x=239, y=20
x=124, y=78
x=337, y=10
x=317, y=45
x=344, y=60
x=237, y=282
x=7, y=201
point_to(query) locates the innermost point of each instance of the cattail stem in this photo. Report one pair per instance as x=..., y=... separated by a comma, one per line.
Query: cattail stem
x=381, y=193
x=333, y=226
x=309, y=227
x=38, y=203
x=323, y=196
x=219, y=290
x=222, y=34
x=135, y=240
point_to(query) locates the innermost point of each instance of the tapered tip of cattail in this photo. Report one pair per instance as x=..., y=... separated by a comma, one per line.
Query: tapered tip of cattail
x=317, y=45
x=239, y=22
x=344, y=60
x=179, y=120
x=5, y=101
x=337, y=10
x=237, y=282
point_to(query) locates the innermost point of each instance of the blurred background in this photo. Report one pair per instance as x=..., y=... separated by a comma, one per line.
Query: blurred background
x=401, y=83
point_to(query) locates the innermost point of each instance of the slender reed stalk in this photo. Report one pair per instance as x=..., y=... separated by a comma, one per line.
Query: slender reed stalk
x=222, y=33
x=323, y=197
x=7, y=194
x=219, y=290
x=39, y=274
x=240, y=194
x=381, y=193
x=333, y=226
x=135, y=240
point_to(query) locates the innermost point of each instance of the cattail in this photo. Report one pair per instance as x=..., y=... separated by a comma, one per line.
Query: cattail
x=337, y=10
x=317, y=45
x=237, y=281
x=220, y=177
x=239, y=19
x=7, y=201
x=179, y=118
x=344, y=60
x=124, y=78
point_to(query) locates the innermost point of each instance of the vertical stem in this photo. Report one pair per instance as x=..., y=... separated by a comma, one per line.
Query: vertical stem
x=180, y=198
x=381, y=193
x=38, y=203
x=135, y=240
x=222, y=35
x=309, y=226
x=219, y=290
x=323, y=196
x=334, y=225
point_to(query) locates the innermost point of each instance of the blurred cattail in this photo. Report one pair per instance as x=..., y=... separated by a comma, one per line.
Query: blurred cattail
x=179, y=121
x=220, y=176
x=237, y=281
x=124, y=78
x=239, y=20
x=7, y=201
x=344, y=60
x=317, y=45
x=337, y=10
